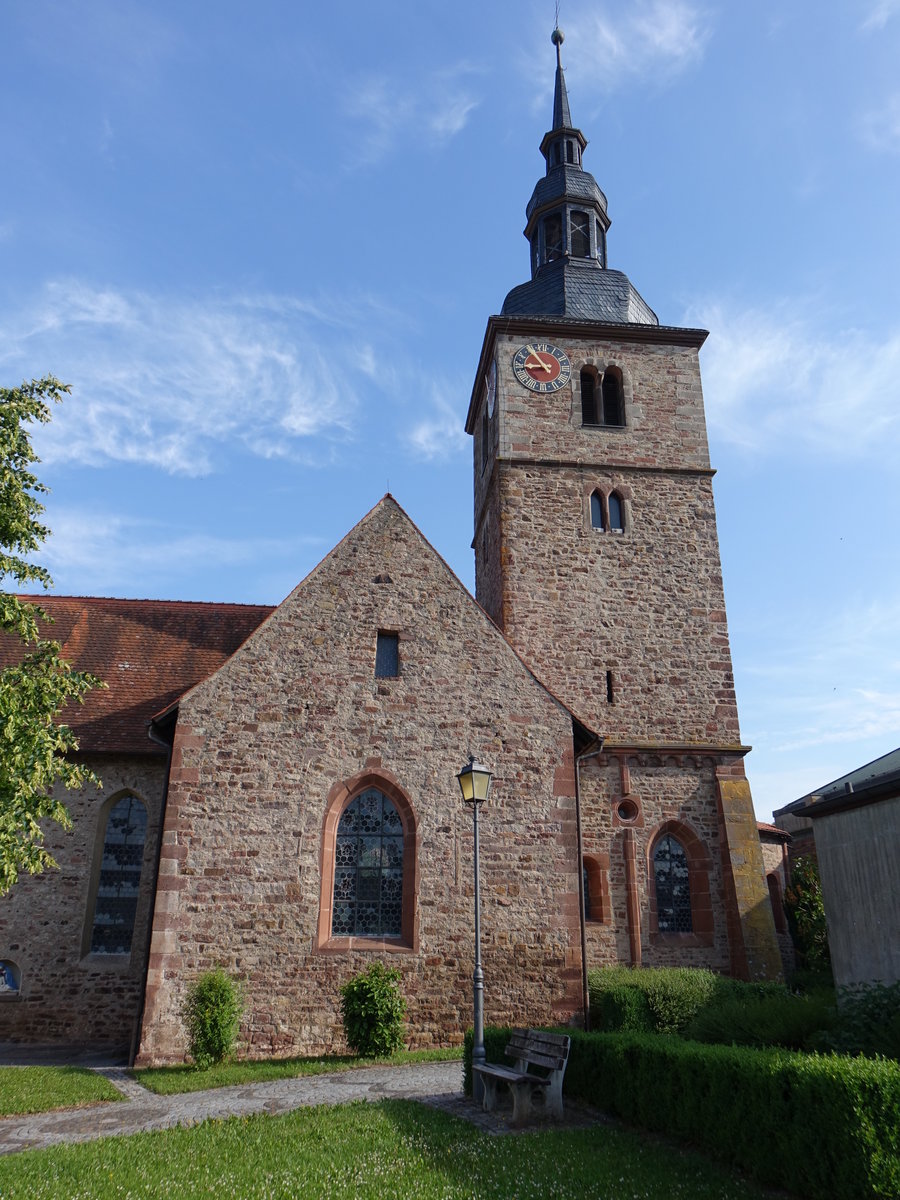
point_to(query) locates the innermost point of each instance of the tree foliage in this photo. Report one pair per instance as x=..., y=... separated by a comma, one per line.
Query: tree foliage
x=35, y=751
x=805, y=910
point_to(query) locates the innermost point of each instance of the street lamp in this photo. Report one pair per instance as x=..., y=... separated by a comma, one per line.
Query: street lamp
x=475, y=784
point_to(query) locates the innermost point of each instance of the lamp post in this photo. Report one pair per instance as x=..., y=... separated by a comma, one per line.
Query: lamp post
x=475, y=784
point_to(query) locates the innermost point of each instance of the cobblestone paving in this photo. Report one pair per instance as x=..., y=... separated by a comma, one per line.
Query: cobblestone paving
x=436, y=1084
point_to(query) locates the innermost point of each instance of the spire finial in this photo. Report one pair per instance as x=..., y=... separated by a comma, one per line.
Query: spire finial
x=561, y=116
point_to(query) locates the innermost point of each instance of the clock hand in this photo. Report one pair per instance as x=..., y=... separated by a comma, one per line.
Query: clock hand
x=539, y=365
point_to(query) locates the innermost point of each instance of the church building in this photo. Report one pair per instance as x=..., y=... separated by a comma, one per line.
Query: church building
x=279, y=792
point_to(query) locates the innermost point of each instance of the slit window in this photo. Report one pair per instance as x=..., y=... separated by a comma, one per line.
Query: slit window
x=387, y=656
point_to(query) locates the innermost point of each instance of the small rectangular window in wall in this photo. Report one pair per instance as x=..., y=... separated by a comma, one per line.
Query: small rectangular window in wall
x=387, y=656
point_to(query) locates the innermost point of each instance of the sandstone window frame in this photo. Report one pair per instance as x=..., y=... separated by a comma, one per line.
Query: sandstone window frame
x=699, y=864
x=341, y=795
x=608, y=509
x=100, y=839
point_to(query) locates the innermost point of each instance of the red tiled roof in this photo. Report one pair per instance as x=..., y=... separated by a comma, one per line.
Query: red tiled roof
x=762, y=827
x=148, y=652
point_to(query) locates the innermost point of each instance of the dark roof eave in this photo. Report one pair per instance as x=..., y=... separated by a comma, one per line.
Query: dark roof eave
x=671, y=335
x=887, y=788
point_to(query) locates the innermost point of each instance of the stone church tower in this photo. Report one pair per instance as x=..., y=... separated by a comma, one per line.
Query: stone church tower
x=596, y=553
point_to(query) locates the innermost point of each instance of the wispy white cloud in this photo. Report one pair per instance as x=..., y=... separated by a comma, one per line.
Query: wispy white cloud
x=114, y=550
x=880, y=127
x=439, y=434
x=649, y=40
x=165, y=381
x=836, y=394
x=387, y=109
x=880, y=13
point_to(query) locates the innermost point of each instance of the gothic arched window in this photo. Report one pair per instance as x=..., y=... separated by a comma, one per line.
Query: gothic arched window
x=597, y=521
x=368, y=869
x=118, y=889
x=616, y=513
x=673, y=889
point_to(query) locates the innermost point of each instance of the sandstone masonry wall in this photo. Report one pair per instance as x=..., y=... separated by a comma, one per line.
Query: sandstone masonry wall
x=297, y=714
x=68, y=995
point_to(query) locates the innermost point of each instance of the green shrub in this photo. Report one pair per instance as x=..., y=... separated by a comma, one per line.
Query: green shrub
x=212, y=1017
x=373, y=1010
x=805, y=911
x=795, y=1022
x=814, y=1125
x=868, y=1020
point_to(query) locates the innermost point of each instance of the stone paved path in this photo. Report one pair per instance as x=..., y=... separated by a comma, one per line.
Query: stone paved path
x=437, y=1084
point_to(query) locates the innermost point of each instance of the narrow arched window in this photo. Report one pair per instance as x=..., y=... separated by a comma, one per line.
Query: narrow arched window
x=601, y=243
x=553, y=237
x=570, y=152
x=612, y=400
x=673, y=889
x=616, y=516
x=588, y=397
x=581, y=235
x=120, y=877
x=368, y=869
x=597, y=521
x=485, y=435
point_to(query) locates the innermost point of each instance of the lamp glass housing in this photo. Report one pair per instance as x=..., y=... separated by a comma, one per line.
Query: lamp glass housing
x=474, y=782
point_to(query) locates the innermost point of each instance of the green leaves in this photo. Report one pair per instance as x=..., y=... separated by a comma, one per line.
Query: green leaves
x=35, y=750
x=212, y=1016
x=373, y=1011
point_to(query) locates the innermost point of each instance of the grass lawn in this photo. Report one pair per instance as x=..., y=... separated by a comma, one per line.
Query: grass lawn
x=396, y=1148
x=166, y=1081
x=38, y=1089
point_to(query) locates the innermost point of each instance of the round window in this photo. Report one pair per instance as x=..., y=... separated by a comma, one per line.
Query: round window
x=627, y=810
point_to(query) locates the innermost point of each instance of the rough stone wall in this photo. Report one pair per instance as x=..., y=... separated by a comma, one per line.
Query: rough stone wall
x=264, y=742
x=648, y=604
x=655, y=790
x=67, y=994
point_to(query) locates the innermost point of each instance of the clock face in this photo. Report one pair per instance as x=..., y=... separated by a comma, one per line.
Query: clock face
x=491, y=388
x=541, y=367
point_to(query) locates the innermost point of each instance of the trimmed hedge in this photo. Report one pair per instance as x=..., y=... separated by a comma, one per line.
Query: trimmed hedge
x=817, y=1125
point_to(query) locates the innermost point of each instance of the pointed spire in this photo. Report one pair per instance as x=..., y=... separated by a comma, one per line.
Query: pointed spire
x=562, y=118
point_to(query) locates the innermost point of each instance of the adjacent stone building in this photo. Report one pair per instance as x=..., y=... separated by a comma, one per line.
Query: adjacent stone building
x=294, y=811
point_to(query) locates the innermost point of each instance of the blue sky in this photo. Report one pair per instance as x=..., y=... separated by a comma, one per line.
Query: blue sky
x=262, y=242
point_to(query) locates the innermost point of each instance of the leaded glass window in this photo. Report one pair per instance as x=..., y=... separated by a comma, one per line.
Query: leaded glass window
x=368, y=869
x=120, y=877
x=673, y=890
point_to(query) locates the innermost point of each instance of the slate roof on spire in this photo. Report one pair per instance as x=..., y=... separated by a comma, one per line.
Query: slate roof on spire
x=562, y=118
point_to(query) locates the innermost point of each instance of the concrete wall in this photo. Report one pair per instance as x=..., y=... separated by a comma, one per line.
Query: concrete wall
x=857, y=852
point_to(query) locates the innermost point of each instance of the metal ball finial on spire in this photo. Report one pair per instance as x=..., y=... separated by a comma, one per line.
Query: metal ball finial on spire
x=557, y=37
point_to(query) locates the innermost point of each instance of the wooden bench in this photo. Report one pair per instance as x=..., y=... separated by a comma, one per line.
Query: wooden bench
x=533, y=1051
